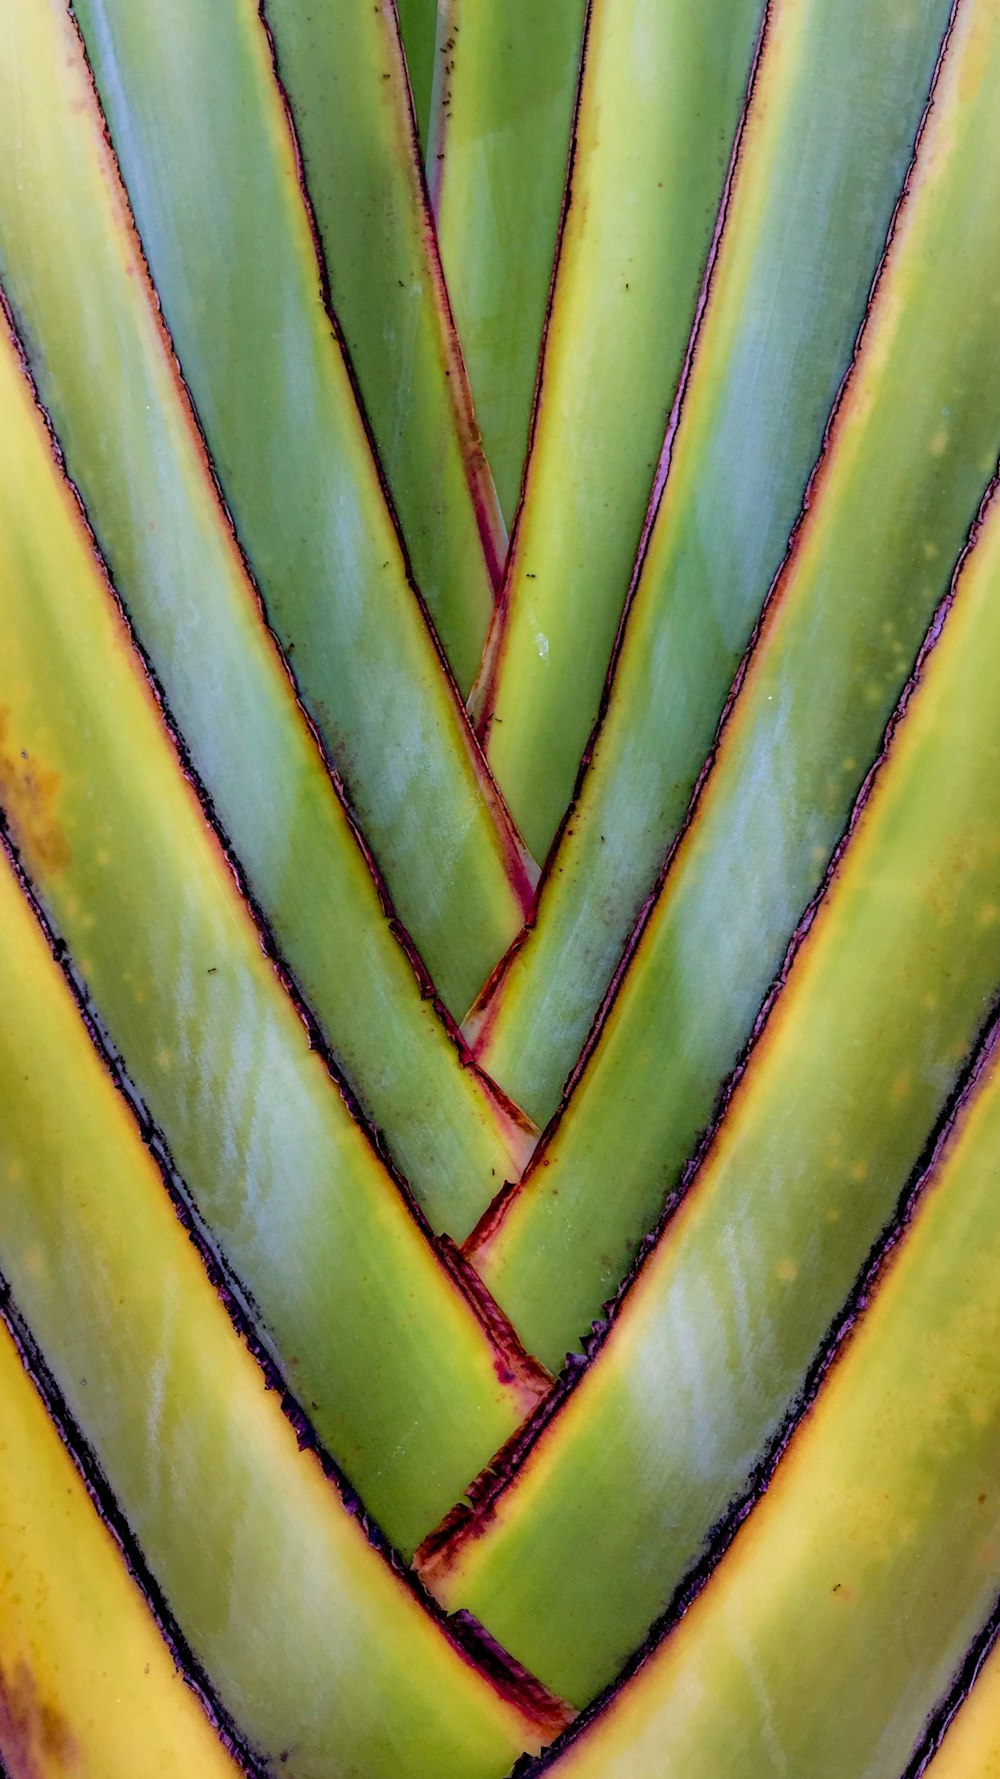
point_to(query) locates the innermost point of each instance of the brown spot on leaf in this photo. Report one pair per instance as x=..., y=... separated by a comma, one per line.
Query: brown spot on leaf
x=29, y=792
x=35, y=1740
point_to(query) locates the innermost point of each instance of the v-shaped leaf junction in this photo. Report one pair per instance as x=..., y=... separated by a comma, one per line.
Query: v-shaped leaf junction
x=455, y=1315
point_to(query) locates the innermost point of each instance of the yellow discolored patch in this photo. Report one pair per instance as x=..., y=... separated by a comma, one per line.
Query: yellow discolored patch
x=29, y=792
x=34, y=1739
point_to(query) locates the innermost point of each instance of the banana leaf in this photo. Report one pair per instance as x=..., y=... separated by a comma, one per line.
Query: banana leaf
x=831, y=128
x=846, y=1601
x=70, y=266
x=320, y=1237
x=262, y=1561
x=342, y=70
x=662, y=88
x=684, y=1462
x=920, y=422
x=707, y=1351
x=198, y=123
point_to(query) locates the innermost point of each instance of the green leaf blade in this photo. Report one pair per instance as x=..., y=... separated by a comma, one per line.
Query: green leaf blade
x=418, y=32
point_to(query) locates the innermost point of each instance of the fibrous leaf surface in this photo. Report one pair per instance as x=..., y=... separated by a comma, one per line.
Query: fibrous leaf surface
x=693, y=1438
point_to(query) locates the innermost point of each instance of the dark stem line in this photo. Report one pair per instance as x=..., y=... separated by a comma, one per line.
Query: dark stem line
x=961, y=1685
